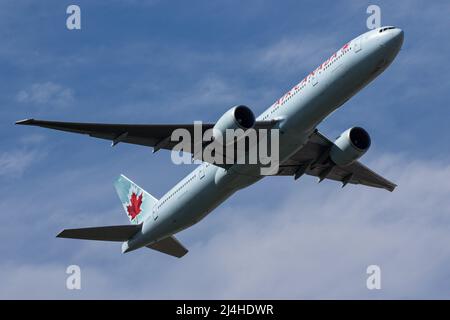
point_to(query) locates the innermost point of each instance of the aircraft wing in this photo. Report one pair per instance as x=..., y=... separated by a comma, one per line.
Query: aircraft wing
x=313, y=160
x=151, y=135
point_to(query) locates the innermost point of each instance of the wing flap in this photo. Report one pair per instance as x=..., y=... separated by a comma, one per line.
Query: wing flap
x=170, y=246
x=107, y=233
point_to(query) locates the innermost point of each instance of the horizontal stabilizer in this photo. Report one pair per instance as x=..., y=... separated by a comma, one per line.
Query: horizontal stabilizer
x=108, y=233
x=170, y=246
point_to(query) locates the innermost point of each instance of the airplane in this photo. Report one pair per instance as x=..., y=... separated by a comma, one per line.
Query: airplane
x=302, y=148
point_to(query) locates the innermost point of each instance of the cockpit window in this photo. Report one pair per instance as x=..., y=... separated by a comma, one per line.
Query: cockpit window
x=386, y=28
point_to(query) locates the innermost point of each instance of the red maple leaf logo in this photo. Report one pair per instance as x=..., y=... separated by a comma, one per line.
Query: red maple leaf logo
x=135, y=205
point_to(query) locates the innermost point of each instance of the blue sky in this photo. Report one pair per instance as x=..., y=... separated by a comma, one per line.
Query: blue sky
x=177, y=61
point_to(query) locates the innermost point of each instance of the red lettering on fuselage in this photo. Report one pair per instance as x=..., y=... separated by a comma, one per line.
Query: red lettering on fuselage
x=311, y=74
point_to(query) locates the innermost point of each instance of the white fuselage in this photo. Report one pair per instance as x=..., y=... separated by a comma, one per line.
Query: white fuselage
x=300, y=111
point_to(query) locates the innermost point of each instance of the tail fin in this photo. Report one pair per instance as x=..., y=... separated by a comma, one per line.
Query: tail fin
x=137, y=203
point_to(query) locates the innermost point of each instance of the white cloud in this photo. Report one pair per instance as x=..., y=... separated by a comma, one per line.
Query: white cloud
x=211, y=92
x=315, y=243
x=46, y=93
x=32, y=139
x=290, y=54
x=318, y=242
x=14, y=162
x=49, y=281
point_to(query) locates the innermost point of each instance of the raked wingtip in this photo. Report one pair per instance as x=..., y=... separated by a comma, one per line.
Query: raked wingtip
x=25, y=121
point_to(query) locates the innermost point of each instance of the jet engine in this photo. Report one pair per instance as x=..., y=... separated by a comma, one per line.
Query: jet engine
x=351, y=145
x=238, y=117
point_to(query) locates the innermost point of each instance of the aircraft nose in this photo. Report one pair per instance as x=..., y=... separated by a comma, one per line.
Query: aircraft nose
x=392, y=38
x=397, y=37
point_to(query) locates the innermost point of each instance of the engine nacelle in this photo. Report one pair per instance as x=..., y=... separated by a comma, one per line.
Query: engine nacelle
x=238, y=117
x=350, y=146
